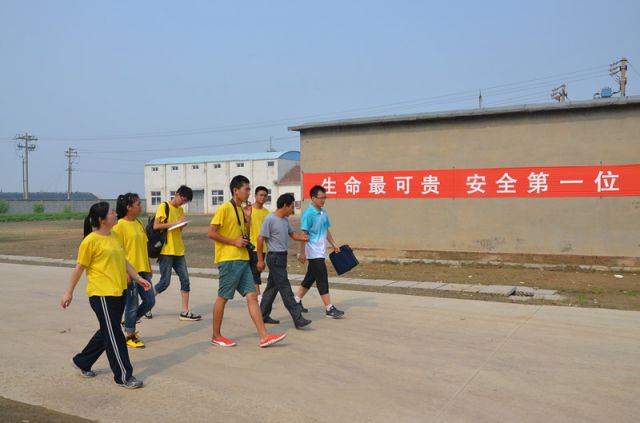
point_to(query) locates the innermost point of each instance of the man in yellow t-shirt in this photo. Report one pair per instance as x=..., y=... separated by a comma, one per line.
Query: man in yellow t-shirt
x=258, y=213
x=172, y=253
x=229, y=231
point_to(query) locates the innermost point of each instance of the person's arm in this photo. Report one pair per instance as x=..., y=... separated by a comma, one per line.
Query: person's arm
x=150, y=269
x=214, y=234
x=333, y=242
x=302, y=236
x=67, y=297
x=302, y=258
x=159, y=226
x=260, y=264
x=131, y=272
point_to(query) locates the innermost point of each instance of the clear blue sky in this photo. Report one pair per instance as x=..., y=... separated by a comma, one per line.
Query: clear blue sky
x=115, y=79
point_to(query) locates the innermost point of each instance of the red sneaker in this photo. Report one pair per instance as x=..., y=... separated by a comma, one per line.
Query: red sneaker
x=272, y=339
x=223, y=342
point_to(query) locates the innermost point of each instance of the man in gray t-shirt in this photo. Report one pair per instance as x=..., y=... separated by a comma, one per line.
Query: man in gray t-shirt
x=276, y=231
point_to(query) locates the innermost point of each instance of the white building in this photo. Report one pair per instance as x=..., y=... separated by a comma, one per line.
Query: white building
x=209, y=177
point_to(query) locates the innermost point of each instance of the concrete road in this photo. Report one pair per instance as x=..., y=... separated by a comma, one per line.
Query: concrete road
x=393, y=358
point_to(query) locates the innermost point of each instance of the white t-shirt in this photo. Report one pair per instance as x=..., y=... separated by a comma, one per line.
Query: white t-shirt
x=315, y=223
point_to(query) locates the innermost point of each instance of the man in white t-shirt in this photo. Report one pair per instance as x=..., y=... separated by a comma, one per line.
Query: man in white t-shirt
x=315, y=223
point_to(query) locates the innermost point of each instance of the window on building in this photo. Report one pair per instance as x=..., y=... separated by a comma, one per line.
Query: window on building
x=154, y=169
x=239, y=164
x=174, y=167
x=155, y=198
x=217, y=197
x=268, y=196
x=172, y=195
x=270, y=164
x=217, y=165
x=195, y=167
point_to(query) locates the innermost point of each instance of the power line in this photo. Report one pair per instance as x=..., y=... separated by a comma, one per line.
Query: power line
x=197, y=147
x=108, y=171
x=508, y=87
x=633, y=68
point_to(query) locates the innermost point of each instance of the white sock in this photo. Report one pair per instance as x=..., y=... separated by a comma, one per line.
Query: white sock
x=298, y=299
x=329, y=307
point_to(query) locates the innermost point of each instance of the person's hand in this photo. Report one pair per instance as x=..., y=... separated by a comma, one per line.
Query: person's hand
x=336, y=248
x=144, y=284
x=260, y=265
x=66, y=299
x=240, y=242
x=302, y=258
x=177, y=222
x=128, y=280
x=303, y=237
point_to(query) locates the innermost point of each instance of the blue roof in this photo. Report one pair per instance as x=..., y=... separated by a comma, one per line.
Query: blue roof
x=271, y=155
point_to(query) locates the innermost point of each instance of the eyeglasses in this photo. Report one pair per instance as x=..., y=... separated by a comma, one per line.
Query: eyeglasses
x=321, y=198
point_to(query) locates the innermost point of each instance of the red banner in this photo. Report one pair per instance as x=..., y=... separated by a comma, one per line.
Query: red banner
x=527, y=182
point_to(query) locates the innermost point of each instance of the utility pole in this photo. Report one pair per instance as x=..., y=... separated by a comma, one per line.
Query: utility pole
x=559, y=93
x=618, y=70
x=271, y=144
x=480, y=100
x=22, y=148
x=71, y=154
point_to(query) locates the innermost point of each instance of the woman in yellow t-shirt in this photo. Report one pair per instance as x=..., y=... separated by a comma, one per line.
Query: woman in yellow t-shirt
x=102, y=255
x=134, y=240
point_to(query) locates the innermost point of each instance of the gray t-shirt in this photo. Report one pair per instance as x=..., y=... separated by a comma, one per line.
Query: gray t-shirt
x=276, y=232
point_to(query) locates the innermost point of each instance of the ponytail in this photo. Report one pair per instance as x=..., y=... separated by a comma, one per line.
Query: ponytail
x=121, y=206
x=96, y=212
x=87, y=226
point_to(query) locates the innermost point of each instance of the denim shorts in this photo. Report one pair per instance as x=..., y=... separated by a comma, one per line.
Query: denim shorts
x=235, y=276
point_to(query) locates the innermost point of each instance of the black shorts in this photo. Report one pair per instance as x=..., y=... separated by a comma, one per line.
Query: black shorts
x=317, y=272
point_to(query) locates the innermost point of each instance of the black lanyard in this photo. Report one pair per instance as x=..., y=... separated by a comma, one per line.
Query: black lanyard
x=235, y=208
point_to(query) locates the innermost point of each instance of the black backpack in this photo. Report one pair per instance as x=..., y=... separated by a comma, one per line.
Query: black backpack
x=156, y=239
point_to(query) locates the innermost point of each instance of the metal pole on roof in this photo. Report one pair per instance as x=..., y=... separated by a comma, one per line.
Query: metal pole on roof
x=559, y=93
x=620, y=67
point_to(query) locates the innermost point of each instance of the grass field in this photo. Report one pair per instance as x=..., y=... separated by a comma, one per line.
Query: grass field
x=60, y=239
x=41, y=216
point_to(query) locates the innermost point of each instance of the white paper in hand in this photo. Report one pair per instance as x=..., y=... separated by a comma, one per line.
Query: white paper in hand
x=179, y=225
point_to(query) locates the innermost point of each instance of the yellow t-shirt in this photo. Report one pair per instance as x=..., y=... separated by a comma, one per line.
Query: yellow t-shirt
x=134, y=240
x=257, y=217
x=227, y=221
x=104, y=259
x=174, y=245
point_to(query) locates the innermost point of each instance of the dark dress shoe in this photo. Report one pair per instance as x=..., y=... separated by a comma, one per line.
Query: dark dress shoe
x=302, y=323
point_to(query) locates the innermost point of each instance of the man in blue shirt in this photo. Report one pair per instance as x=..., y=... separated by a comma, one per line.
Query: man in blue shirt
x=315, y=223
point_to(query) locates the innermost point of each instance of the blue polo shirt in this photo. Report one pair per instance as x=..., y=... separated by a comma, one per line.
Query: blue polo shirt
x=315, y=223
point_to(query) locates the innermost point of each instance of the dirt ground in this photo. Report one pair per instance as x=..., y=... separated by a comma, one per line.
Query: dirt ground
x=60, y=239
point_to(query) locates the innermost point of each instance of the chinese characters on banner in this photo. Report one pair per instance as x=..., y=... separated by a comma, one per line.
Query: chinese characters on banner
x=526, y=182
